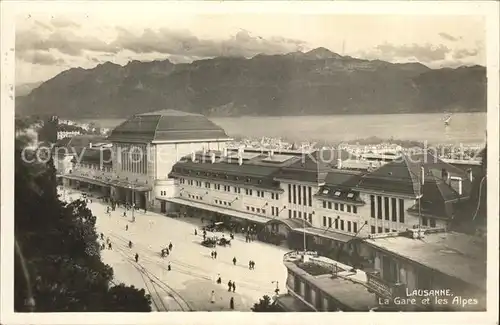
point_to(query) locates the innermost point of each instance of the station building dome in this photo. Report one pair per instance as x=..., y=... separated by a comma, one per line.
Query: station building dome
x=167, y=126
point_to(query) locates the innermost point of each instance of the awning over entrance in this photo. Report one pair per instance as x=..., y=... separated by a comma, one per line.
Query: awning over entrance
x=291, y=223
x=327, y=234
x=86, y=180
x=232, y=213
x=131, y=185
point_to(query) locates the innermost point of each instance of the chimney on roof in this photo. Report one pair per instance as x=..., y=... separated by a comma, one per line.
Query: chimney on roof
x=240, y=160
x=469, y=174
x=422, y=175
x=193, y=156
x=90, y=144
x=339, y=163
x=212, y=157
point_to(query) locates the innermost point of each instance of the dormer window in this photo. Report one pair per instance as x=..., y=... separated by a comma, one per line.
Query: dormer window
x=325, y=191
x=237, y=178
x=248, y=180
x=197, y=173
x=337, y=193
x=350, y=195
x=260, y=181
x=226, y=176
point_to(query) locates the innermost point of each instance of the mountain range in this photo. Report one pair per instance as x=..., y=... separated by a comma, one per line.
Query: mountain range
x=318, y=82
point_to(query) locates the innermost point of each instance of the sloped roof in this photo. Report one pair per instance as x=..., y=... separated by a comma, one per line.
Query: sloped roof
x=403, y=176
x=313, y=167
x=166, y=125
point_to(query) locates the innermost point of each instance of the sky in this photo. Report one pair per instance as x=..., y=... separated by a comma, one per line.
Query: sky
x=51, y=40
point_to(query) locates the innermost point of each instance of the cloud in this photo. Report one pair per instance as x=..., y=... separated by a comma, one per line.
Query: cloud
x=63, y=23
x=40, y=57
x=449, y=37
x=423, y=53
x=64, y=41
x=180, y=45
x=464, y=53
x=183, y=43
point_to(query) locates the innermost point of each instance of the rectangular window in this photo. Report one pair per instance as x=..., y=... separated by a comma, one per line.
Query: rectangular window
x=310, y=218
x=372, y=230
x=379, y=230
x=289, y=214
x=386, y=229
x=310, y=196
x=337, y=223
x=372, y=205
x=300, y=215
x=277, y=196
x=386, y=208
x=258, y=210
x=341, y=207
x=263, y=211
x=354, y=209
x=348, y=208
x=324, y=221
x=394, y=209
x=272, y=196
x=424, y=221
x=294, y=194
x=433, y=222
x=348, y=226
x=299, y=194
x=272, y=211
x=324, y=204
x=341, y=224
x=289, y=193
x=330, y=205
x=305, y=195
x=295, y=214
x=336, y=206
x=355, y=227
x=250, y=191
x=329, y=222
x=248, y=208
x=401, y=210
x=379, y=207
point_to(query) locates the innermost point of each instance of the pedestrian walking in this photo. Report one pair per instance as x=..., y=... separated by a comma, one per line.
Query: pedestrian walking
x=169, y=267
x=162, y=253
x=219, y=279
x=212, y=254
x=195, y=232
x=229, y=285
x=215, y=254
x=124, y=214
x=102, y=236
x=253, y=265
x=129, y=244
x=234, y=286
x=231, y=303
x=126, y=227
x=212, y=297
x=170, y=246
x=109, y=246
x=249, y=265
x=234, y=260
x=107, y=240
x=136, y=257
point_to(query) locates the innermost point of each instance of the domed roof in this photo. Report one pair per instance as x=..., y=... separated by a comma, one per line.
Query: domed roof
x=166, y=126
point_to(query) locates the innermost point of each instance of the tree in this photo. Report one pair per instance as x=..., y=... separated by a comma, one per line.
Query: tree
x=58, y=265
x=265, y=305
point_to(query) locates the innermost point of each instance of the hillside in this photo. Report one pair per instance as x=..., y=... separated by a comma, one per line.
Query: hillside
x=312, y=83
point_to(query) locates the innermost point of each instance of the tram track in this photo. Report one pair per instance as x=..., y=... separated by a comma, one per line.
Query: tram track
x=201, y=274
x=156, y=282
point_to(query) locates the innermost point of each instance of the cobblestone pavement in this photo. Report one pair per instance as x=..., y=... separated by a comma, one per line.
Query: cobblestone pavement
x=193, y=274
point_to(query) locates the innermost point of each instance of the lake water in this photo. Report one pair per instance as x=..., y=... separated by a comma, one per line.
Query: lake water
x=465, y=128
